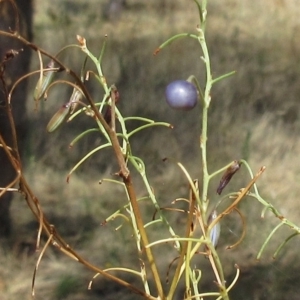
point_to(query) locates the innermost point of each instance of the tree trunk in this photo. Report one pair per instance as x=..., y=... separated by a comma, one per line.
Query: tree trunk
x=14, y=69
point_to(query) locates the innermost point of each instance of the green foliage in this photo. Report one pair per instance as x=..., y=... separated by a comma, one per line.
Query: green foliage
x=68, y=285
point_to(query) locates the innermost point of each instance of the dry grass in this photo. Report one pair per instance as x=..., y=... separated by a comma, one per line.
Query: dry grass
x=257, y=38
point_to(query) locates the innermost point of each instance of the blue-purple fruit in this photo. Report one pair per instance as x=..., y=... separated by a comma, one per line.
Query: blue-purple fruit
x=181, y=95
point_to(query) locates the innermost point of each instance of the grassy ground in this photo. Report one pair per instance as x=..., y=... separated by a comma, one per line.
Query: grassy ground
x=254, y=115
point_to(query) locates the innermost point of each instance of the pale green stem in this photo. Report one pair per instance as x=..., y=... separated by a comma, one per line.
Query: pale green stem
x=203, y=145
x=206, y=102
x=140, y=167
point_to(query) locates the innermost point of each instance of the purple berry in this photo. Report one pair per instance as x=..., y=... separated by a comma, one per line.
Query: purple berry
x=181, y=95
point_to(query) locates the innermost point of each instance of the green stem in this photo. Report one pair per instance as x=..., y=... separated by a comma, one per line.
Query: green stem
x=203, y=144
x=125, y=174
x=216, y=259
x=140, y=167
x=203, y=141
x=267, y=240
x=206, y=102
x=186, y=248
x=138, y=217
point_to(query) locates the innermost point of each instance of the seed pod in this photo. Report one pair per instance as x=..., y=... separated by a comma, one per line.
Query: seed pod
x=59, y=117
x=44, y=82
x=231, y=170
x=215, y=231
x=75, y=98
